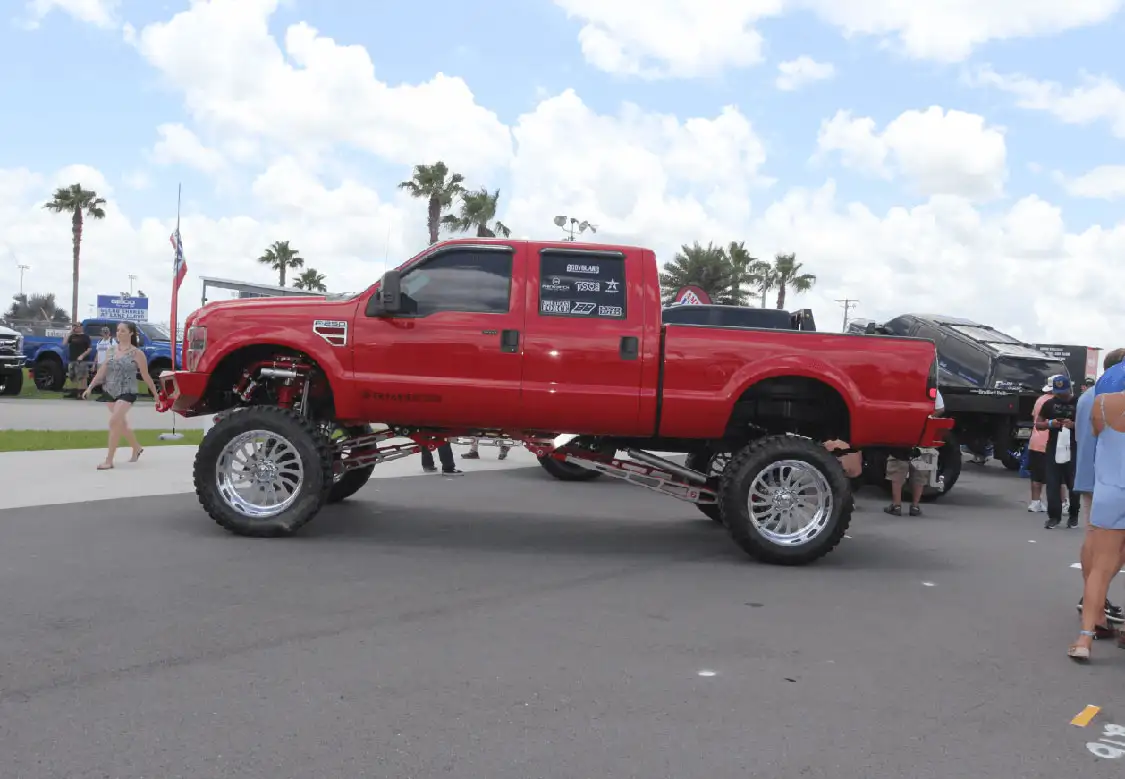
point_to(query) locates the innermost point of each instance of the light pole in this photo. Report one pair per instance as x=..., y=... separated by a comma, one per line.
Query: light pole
x=132, y=280
x=23, y=269
x=570, y=224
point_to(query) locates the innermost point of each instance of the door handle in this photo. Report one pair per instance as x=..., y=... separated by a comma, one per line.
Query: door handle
x=630, y=347
x=509, y=340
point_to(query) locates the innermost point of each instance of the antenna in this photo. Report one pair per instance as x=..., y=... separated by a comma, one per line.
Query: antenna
x=848, y=304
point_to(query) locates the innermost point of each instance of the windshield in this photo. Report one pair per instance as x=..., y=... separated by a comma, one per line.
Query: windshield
x=1025, y=373
x=154, y=331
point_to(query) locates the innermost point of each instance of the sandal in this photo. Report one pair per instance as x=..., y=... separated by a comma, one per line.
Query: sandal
x=105, y=466
x=1079, y=653
x=137, y=455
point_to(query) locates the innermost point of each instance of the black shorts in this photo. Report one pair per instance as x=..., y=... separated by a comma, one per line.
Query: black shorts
x=1037, y=464
x=128, y=397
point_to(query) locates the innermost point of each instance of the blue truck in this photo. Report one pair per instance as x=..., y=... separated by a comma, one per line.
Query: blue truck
x=47, y=358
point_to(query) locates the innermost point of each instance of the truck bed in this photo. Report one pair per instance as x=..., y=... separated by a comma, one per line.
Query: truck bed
x=705, y=370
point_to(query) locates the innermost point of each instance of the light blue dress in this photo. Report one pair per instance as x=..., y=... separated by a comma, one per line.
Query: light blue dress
x=1108, y=508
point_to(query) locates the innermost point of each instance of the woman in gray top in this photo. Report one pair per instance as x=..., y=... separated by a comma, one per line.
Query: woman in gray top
x=119, y=375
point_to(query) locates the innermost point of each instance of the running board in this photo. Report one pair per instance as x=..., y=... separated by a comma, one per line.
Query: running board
x=657, y=480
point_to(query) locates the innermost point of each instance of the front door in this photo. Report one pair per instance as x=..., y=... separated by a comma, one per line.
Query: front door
x=453, y=356
x=584, y=355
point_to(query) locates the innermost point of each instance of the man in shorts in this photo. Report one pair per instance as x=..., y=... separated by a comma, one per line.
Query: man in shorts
x=900, y=468
x=78, y=346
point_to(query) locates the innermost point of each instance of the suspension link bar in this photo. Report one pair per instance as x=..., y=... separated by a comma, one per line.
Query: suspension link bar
x=650, y=478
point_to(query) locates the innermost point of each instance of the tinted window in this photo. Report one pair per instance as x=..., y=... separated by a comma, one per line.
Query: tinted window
x=961, y=363
x=687, y=315
x=472, y=280
x=1028, y=375
x=94, y=329
x=581, y=285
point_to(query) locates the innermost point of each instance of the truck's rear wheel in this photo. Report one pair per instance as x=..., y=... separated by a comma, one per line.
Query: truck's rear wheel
x=785, y=500
x=348, y=483
x=564, y=471
x=713, y=464
x=263, y=472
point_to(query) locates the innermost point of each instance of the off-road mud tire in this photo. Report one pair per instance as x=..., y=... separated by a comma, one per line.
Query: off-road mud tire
x=738, y=477
x=701, y=461
x=11, y=384
x=564, y=471
x=351, y=482
x=312, y=446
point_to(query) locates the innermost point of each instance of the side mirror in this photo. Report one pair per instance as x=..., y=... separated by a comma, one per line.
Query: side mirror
x=388, y=299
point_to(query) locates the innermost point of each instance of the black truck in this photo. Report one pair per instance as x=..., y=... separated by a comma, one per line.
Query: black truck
x=988, y=380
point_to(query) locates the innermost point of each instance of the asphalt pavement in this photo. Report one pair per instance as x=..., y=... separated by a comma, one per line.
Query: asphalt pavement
x=504, y=625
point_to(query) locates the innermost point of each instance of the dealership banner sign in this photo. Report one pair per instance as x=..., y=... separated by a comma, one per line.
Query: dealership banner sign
x=122, y=307
x=1081, y=361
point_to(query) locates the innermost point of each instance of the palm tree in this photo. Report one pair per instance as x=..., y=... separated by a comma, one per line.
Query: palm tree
x=280, y=257
x=438, y=187
x=706, y=267
x=311, y=280
x=746, y=271
x=79, y=203
x=478, y=210
x=786, y=272
x=41, y=308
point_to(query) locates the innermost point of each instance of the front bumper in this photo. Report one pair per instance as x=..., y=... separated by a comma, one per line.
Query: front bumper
x=185, y=390
x=13, y=363
x=933, y=434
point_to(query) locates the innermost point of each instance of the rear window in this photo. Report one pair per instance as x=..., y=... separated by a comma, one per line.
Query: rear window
x=1029, y=375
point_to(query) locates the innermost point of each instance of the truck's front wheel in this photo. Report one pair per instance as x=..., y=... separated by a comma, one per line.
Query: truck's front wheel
x=263, y=472
x=785, y=500
x=11, y=383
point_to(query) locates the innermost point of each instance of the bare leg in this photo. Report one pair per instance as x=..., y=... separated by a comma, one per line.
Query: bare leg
x=116, y=428
x=1036, y=491
x=1105, y=556
x=916, y=488
x=896, y=490
x=130, y=436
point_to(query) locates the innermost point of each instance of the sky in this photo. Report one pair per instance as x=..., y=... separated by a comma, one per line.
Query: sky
x=962, y=157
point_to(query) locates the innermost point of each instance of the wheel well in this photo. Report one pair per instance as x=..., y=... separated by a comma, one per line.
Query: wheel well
x=220, y=395
x=791, y=404
x=49, y=357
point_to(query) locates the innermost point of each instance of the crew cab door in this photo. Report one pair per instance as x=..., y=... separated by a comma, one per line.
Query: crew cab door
x=453, y=356
x=584, y=352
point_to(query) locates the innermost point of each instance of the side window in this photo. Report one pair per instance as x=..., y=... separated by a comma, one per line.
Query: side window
x=962, y=361
x=687, y=315
x=575, y=284
x=469, y=280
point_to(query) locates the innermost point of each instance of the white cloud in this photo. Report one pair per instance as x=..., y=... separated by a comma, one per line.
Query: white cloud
x=1098, y=99
x=101, y=13
x=1106, y=182
x=939, y=152
x=794, y=74
x=314, y=94
x=684, y=38
x=179, y=145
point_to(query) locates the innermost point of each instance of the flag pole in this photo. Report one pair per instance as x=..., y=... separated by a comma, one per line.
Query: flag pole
x=177, y=248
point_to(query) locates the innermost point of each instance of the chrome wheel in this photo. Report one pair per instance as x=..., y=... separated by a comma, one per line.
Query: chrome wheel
x=259, y=474
x=790, y=502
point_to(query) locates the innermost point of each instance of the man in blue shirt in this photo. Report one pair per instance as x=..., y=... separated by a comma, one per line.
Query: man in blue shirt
x=1112, y=380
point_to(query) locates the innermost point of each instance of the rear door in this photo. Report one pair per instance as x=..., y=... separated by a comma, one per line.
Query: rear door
x=453, y=358
x=583, y=354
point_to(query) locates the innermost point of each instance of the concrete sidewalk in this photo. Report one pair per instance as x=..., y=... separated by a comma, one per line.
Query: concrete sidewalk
x=84, y=415
x=34, y=478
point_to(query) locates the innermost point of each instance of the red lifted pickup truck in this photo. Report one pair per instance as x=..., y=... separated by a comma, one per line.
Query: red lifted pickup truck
x=558, y=346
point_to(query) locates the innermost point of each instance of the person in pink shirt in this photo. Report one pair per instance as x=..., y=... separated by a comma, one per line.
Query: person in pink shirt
x=1037, y=458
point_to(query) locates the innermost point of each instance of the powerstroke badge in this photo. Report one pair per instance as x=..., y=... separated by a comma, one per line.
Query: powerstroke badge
x=334, y=331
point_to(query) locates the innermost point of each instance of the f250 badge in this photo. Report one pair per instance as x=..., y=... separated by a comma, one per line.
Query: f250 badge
x=334, y=331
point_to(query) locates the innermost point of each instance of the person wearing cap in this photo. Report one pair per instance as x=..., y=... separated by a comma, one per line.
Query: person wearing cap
x=1056, y=416
x=1084, y=471
x=1036, y=454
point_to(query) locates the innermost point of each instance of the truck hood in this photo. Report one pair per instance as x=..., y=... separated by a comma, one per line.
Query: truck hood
x=257, y=304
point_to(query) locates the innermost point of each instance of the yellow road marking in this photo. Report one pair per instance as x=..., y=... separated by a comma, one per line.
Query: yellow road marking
x=1082, y=718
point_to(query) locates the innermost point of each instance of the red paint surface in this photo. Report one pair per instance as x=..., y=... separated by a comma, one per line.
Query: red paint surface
x=447, y=369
